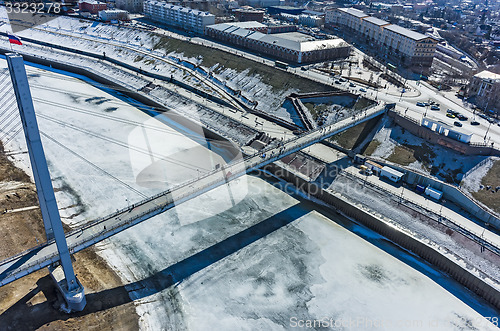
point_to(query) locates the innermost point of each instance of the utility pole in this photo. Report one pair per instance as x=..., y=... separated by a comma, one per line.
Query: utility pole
x=65, y=279
x=487, y=131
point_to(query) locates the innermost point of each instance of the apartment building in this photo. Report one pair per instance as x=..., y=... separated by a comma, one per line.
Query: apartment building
x=132, y=6
x=484, y=87
x=413, y=49
x=185, y=18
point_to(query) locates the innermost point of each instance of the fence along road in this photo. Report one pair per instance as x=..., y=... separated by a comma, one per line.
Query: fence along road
x=45, y=254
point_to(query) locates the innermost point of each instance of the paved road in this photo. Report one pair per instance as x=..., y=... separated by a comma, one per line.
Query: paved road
x=45, y=254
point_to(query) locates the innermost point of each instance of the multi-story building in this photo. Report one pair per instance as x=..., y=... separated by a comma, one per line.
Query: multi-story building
x=92, y=6
x=484, y=87
x=412, y=48
x=182, y=17
x=114, y=14
x=373, y=28
x=290, y=46
x=245, y=15
x=349, y=17
x=311, y=20
x=132, y=6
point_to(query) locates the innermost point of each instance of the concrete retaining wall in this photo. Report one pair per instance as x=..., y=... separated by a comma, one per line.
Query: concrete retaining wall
x=428, y=253
x=450, y=192
x=415, y=128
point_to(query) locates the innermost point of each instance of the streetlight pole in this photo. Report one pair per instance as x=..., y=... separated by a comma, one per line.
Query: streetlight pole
x=487, y=131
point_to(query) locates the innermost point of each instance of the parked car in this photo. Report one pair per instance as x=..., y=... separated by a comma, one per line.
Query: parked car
x=352, y=85
x=457, y=124
x=474, y=123
x=450, y=111
x=420, y=104
x=303, y=68
x=483, y=116
x=337, y=82
x=462, y=117
x=343, y=80
x=451, y=115
x=362, y=89
x=434, y=107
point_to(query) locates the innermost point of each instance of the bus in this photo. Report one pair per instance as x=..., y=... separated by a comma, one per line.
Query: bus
x=280, y=64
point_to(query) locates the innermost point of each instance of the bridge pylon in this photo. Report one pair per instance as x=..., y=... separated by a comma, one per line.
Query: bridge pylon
x=63, y=275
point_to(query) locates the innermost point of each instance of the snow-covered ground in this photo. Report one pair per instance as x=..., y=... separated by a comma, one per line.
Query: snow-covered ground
x=245, y=256
x=436, y=160
x=472, y=179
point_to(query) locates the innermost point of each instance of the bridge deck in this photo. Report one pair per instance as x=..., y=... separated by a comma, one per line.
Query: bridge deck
x=45, y=254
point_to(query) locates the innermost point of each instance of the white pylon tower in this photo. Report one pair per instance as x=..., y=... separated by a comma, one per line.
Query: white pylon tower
x=65, y=279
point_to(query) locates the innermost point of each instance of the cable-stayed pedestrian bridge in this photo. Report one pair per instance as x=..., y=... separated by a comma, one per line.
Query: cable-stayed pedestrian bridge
x=46, y=254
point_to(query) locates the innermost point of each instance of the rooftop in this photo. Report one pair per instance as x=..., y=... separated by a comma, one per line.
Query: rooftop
x=93, y=2
x=179, y=8
x=248, y=25
x=290, y=40
x=242, y=10
x=405, y=32
x=488, y=75
x=113, y=11
x=354, y=12
x=376, y=21
x=286, y=8
x=295, y=36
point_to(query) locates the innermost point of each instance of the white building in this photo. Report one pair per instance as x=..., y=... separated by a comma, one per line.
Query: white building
x=182, y=17
x=310, y=20
x=412, y=48
x=132, y=6
x=485, y=88
x=446, y=130
x=373, y=27
x=114, y=15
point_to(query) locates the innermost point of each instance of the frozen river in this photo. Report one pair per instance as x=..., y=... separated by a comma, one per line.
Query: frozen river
x=247, y=256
